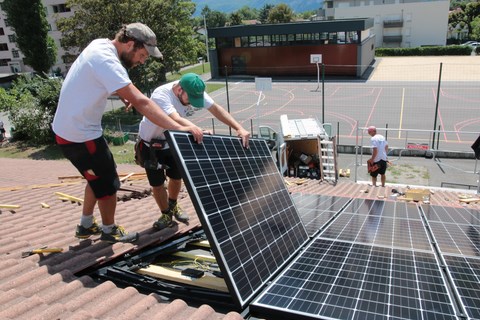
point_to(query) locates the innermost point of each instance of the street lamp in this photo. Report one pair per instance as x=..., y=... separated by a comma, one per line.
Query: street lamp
x=206, y=35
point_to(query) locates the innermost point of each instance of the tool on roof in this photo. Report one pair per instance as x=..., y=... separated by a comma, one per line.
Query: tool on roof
x=44, y=249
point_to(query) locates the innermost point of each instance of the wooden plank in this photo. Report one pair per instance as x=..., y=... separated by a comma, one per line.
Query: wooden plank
x=468, y=200
x=201, y=243
x=9, y=206
x=123, y=179
x=192, y=256
x=207, y=281
x=64, y=196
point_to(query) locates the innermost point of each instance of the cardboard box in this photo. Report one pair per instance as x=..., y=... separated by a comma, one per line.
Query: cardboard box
x=417, y=194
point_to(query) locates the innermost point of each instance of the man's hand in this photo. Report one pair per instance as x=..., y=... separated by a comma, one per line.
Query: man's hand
x=195, y=131
x=245, y=135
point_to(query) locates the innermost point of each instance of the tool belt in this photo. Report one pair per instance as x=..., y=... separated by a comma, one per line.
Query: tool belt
x=149, y=161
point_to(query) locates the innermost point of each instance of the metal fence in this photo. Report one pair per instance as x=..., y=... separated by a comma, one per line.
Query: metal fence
x=438, y=97
x=422, y=102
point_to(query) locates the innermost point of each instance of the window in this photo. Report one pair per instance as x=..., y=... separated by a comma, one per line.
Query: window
x=6, y=23
x=3, y=47
x=60, y=8
x=15, y=53
x=4, y=62
x=2, y=32
x=12, y=38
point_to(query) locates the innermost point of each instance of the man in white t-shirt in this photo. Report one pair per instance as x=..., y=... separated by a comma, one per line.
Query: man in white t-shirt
x=175, y=99
x=379, y=155
x=98, y=72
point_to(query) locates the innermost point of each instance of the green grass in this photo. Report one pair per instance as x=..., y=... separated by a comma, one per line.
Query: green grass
x=198, y=69
x=19, y=150
x=122, y=154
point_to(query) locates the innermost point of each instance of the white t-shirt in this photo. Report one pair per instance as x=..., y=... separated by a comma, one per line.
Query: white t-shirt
x=169, y=102
x=93, y=77
x=378, y=141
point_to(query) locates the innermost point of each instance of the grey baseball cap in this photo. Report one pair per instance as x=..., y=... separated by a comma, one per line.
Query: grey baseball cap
x=142, y=33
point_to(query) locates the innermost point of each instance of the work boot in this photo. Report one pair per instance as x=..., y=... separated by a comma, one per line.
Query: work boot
x=178, y=213
x=119, y=234
x=84, y=233
x=165, y=221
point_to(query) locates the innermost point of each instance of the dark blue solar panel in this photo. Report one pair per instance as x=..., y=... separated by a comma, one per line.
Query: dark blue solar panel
x=245, y=209
x=465, y=272
x=456, y=230
x=381, y=223
x=317, y=210
x=343, y=280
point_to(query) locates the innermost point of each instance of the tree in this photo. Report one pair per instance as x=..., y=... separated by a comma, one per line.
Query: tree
x=263, y=14
x=170, y=20
x=29, y=21
x=235, y=19
x=248, y=13
x=472, y=10
x=281, y=13
x=30, y=105
x=475, y=29
x=214, y=18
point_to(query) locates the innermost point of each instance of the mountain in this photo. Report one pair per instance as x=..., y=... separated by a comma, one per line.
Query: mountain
x=298, y=6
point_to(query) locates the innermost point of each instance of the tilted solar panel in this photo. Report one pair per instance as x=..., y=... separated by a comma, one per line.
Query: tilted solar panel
x=456, y=232
x=374, y=261
x=245, y=209
x=344, y=280
x=317, y=210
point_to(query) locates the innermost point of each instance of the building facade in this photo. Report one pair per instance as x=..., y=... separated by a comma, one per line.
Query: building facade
x=345, y=47
x=11, y=58
x=397, y=23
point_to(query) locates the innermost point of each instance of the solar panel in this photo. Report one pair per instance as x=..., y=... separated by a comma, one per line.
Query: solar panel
x=343, y=280
x=456, y=230
x=317, y=210
x=373, y=261
x=465, y=272
x=391, y=224
x=245, y=209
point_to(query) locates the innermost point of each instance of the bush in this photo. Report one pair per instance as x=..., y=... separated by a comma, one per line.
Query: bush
x=31, y=104
x=425, y=51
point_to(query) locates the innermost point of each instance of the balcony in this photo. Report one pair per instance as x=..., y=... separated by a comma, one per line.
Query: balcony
x=393, y=23
x=392, y=39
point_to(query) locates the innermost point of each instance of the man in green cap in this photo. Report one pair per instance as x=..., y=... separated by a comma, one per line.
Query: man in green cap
x=153, y=153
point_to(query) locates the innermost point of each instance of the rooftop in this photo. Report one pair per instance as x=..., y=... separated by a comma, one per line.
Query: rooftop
x=47, y=286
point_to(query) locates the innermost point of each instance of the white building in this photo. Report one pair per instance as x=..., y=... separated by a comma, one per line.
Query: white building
x=11, y=58
x=397, y=23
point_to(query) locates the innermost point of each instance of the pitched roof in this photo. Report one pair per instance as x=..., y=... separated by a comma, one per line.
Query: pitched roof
x=45, y=286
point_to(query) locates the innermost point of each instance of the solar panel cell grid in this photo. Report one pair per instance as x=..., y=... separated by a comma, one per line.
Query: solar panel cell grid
x=340, y=280
x=466, y=275
x=243, y=204
x=371, y=260
x=317, y=210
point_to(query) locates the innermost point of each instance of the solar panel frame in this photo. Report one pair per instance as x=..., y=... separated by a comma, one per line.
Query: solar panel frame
x=244, y=207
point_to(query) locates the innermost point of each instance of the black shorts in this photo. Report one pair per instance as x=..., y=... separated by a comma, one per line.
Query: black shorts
x=156, y=177
x=94, y=160
x=382, y=164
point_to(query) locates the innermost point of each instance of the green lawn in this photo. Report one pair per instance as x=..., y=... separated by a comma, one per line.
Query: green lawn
x=122, y=154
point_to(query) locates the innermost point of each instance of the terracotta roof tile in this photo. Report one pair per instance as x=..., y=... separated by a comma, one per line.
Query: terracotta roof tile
x=45, y=286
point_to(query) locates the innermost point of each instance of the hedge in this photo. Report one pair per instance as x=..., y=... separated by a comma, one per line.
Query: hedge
x=454, y=50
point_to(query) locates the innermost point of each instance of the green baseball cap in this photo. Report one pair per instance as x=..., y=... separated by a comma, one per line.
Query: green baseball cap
x=194, y=87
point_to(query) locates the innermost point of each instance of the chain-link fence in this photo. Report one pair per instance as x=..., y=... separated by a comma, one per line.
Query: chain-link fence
x=424, y=102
